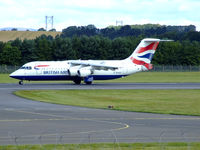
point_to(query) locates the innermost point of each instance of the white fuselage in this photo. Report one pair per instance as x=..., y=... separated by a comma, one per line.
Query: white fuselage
x=64, y=70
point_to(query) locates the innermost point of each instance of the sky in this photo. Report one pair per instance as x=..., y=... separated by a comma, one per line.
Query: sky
x=101, y=13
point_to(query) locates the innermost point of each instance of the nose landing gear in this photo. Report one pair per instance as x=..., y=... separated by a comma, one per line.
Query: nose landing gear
x=21, y=82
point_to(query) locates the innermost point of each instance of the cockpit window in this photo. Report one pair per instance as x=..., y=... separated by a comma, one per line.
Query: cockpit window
x=22, y=67
x=26, y=67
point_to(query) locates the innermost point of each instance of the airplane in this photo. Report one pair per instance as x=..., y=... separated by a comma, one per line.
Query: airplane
x=90, y=70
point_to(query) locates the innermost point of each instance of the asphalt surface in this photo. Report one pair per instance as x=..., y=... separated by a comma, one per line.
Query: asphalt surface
x=34, y=85
x=30, y=122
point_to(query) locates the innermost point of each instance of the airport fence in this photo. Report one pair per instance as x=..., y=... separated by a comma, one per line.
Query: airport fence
x=156, y=68
x=86, y=140
x=8, y=69
x=175, y=68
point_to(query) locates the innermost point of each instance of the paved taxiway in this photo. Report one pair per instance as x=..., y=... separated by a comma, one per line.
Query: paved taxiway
x=34, y=85
x=29, y=122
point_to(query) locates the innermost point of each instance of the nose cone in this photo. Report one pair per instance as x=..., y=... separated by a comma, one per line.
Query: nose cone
x=14, y=75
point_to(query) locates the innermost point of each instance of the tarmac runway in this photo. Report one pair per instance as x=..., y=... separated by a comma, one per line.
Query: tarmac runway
x=34, y=85
x=30, y=122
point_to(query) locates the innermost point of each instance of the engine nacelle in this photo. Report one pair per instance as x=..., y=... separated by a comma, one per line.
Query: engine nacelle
x=73, y=71
x=84, y=72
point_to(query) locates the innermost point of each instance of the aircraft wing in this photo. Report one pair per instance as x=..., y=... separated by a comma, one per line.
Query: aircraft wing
x=100, y=65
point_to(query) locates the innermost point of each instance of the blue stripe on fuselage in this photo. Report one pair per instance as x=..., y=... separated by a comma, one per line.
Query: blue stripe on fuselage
x=64, y=77
x=107, y=77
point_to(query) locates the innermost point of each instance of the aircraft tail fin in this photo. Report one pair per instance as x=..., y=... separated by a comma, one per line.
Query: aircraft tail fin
x=144, y=52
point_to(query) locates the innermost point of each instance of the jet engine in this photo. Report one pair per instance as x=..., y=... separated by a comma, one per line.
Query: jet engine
x=84, y=72
x=81, y=72
x=73, y=71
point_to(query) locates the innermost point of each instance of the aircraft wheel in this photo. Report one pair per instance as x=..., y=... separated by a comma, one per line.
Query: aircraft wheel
x=77, y=81
x=88, y=83
x=21, y=83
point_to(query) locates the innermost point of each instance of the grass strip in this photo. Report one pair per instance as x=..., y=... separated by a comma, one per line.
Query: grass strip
x=108, y=146
x=161, y=77
x=182, y=102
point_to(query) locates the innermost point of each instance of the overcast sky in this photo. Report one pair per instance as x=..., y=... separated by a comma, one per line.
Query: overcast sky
x=101, y=13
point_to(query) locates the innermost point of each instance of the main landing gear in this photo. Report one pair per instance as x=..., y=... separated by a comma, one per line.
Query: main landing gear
x=77, y=81
x=87, y=81
x=21, y=82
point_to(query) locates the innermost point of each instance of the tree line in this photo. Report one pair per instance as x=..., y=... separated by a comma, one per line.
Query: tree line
x=185, y=50
x=147, y=30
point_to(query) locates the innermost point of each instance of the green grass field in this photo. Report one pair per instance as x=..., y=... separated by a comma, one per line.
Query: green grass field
x=108, y=146
x=179, y=77
x=183, y=102
x=4, y=78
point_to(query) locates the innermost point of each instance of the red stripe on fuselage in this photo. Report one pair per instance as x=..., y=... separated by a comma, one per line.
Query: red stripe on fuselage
x=151, y=46
x=42, y=66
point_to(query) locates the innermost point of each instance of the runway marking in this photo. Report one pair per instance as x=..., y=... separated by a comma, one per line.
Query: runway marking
x=30, y=120
x=124, y=125
x=34, y=113
x=94, y=119
x=102, y=120
x=147, y=118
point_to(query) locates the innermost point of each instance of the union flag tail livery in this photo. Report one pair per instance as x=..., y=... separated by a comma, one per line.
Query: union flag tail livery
x=144, y=52
x=89, y=70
